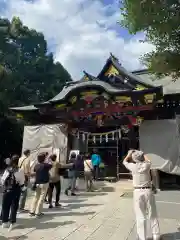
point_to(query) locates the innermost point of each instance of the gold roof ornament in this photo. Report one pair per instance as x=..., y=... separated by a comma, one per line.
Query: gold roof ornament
x=112, y=71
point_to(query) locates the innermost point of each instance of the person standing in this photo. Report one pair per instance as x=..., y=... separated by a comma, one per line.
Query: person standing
x=13, y=183
x=144, y=199
x=72, y=175
x=88, y=172
x=54, y=181
x=40, y=185
x=96, y=160
x=24, y=165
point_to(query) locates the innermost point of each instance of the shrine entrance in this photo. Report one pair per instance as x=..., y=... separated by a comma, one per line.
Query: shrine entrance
x=114, y=148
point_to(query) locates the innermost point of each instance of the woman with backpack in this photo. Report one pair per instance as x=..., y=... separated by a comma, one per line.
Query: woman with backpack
x=13, y=183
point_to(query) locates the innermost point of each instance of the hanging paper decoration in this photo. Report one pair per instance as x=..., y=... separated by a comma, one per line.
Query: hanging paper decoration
x=106, y=137
x=78, y=134
x=119, y=132
x=84, y=137
x=112, y=135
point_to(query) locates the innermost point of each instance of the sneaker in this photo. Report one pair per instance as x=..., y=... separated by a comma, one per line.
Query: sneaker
x=12, y=226
x=22, y=210
x=5, y=225
x=31, y=214
x=58, y=205
x=66, y=192
x=73, y=194
x=39, y=215
x=50, y=206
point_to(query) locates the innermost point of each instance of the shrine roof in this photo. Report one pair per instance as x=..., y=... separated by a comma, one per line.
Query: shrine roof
x=133, y=79
x=169, y=86
x=83, y=84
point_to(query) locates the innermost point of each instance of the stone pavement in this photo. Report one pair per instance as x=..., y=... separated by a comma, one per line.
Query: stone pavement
x=103, y=215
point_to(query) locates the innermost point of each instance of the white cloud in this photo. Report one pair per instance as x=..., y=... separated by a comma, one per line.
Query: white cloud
x=81, y=31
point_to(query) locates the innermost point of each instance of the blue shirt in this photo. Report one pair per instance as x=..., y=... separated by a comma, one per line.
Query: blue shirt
x=96, y=159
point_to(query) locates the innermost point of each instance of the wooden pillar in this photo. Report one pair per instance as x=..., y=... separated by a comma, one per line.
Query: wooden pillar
x=132, y=138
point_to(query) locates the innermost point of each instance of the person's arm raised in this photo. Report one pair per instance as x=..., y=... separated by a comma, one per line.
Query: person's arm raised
x=146, y=158
x=128, y=156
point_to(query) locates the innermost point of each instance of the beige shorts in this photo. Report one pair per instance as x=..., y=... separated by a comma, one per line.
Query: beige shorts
x=88, y=176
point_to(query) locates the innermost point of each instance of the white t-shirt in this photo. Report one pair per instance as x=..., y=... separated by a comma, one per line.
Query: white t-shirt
x=88, y=167
x=140, y=173
x=19, y=176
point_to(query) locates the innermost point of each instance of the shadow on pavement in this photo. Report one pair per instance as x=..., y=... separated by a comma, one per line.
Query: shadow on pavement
x=90, y=194
x=12, y=238
x=171, y=236
x=40, y=223
x=70, y=207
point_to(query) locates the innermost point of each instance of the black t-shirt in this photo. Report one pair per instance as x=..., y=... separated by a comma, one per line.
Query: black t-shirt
x=42, y=172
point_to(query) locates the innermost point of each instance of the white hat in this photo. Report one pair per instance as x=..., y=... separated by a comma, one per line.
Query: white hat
x=137, y=156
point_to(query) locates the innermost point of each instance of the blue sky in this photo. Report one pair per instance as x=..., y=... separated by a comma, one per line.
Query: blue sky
x=81, y=33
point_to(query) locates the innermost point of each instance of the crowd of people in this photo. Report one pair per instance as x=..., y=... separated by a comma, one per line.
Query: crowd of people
x=46, y=175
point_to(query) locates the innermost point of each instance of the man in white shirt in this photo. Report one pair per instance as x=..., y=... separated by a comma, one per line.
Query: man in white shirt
x=144, y=200
x=24, y=165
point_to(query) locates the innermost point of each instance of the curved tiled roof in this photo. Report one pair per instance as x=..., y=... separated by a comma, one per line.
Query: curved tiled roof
x=169, y=86
x=104, y=85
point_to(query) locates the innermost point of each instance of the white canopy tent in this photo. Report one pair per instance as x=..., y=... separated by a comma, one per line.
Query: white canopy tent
x=46, y=138
x=160, y=140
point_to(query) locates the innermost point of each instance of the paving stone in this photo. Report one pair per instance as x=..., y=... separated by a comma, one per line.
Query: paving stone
x=92, y=216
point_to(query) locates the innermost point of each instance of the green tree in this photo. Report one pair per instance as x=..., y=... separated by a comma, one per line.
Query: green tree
x=159, y=20
x=28, y=74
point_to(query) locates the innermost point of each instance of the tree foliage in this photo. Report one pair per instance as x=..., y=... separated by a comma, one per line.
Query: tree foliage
x=159, y=20
x=28, y=73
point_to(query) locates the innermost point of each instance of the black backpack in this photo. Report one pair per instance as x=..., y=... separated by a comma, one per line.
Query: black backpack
x=10, y=182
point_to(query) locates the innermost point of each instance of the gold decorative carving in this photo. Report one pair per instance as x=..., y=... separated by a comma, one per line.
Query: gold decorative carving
x=73, y=99
x=149, y=98
x=140, y=87
x=90, y=93
x=111, y=71
x=19, y=116
x=123, y=99
x=59, y=106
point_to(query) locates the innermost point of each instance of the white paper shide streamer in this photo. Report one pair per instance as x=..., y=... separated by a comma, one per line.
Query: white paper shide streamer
x=99, y=136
